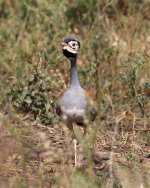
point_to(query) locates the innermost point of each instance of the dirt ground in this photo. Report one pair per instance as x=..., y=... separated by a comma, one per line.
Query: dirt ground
x=42, y=156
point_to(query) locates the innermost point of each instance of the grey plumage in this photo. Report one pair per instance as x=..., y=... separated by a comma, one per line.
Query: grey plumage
x=73, y=106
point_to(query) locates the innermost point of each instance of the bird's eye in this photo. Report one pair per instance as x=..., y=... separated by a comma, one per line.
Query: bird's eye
x=73, y=44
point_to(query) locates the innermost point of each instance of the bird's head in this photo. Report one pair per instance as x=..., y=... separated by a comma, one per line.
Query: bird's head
x=70, y=47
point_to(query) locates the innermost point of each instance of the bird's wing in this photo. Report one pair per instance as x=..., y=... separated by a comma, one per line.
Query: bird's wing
x=94, y=113
x=92, y=109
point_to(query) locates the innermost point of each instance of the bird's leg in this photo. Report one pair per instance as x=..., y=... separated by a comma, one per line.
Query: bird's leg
x=70, y=127
x=85, y=127
x=75, y=151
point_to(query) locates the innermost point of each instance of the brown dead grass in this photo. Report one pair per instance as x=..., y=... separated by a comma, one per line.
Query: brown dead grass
x=42, y=156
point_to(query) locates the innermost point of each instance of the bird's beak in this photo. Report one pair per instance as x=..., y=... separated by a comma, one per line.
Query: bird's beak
x=64, y=44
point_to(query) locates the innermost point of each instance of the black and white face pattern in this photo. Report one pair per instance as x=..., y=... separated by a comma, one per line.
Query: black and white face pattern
x=70, y=47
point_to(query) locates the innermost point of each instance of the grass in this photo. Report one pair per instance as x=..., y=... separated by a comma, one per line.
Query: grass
x=113, y=66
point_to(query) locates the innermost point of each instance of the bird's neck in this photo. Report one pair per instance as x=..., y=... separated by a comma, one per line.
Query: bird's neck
x=74, y=80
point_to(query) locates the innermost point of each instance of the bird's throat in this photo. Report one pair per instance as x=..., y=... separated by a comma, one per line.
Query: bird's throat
x=74, y=80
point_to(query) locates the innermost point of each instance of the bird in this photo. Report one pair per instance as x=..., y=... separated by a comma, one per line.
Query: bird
x=74, y=106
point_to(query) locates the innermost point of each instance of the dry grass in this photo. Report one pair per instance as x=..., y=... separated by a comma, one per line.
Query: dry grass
x=113, y=66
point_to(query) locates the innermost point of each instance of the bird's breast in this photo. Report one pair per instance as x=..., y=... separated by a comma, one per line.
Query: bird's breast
x=74, y=104
x=73, y=114
x=73, y=111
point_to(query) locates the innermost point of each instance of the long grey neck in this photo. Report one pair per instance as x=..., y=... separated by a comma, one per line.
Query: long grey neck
x=74, y=80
